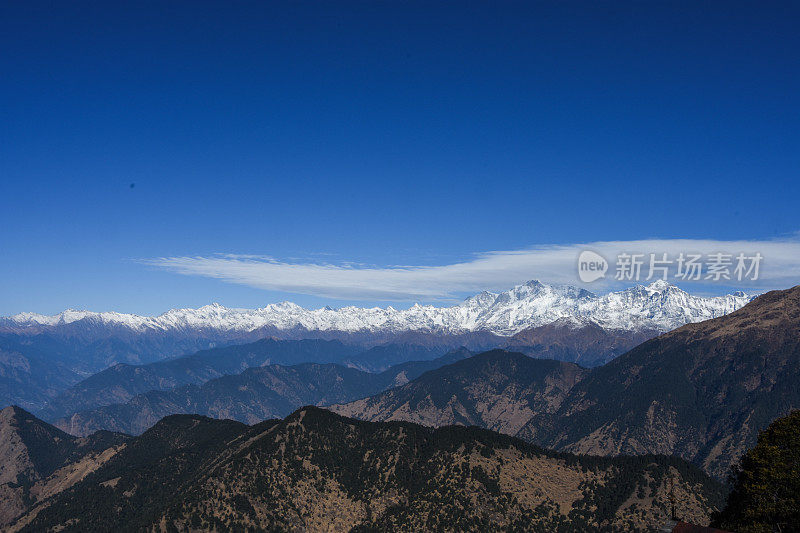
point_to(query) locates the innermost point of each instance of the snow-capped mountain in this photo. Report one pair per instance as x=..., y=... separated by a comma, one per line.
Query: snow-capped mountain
x=658, y=306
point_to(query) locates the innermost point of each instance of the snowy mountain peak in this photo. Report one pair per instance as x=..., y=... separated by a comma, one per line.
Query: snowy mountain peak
x=657, y=306
x=660, y=285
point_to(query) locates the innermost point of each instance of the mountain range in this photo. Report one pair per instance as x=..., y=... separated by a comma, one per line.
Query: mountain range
x=121, y=382
x=658, y=306
x=317, y=471
x=258, y=393
x=48, y=385
x=42, y=356
x=702, y=391
x=659, y=422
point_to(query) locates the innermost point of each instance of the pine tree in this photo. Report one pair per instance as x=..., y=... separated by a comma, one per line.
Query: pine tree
x=766, y=485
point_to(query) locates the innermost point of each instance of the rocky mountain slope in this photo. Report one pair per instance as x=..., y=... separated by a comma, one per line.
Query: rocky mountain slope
x=317, y=471
x=498, y=390
x=577, y=341
x=702, y=392
x=36, y=457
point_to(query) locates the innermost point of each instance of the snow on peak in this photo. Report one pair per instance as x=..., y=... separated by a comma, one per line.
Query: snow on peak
x=657, y=306
x=659, y=285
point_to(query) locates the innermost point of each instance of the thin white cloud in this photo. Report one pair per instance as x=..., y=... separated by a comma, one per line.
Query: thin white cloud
x=495, y=270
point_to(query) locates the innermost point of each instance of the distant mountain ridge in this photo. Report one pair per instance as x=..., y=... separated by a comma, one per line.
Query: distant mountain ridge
x=657, y=306
x=257, y=393
x=121, y=383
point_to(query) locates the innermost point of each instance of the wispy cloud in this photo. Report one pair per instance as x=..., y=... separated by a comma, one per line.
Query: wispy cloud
x=495, y=270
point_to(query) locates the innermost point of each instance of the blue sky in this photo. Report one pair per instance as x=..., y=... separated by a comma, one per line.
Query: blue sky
x=378, y=134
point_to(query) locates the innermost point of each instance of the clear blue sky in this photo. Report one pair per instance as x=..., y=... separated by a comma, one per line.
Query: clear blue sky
x=380, y=133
